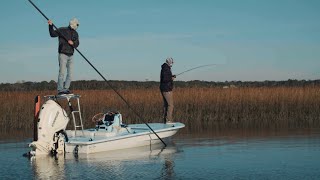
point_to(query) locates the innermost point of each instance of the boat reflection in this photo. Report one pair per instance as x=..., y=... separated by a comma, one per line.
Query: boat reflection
x=111, y=163
x=48, y=167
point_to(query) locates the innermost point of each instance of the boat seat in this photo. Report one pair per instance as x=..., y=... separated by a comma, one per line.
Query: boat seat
x=108, y=117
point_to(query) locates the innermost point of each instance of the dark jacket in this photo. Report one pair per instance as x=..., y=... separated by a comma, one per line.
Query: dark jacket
x=166, y=82
x=69, y=34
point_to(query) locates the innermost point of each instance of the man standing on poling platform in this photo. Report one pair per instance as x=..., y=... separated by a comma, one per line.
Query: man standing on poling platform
x=68, y=40
x=166, y=87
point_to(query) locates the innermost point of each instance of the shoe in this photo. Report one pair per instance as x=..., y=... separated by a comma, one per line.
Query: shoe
x=168, y=122
x=64, y=92
x=60, y=92
x=67, y=91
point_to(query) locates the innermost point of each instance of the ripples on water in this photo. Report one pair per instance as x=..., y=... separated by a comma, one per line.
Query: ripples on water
x=276, y=157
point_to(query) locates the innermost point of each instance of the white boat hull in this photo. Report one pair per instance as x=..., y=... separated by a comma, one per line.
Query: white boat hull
x=94, y=141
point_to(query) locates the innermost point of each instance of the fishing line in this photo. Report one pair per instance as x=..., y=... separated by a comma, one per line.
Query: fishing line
x=125, y=101
x=195, y=68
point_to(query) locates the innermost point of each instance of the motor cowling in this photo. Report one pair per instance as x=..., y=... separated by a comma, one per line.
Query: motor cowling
x=52, y=118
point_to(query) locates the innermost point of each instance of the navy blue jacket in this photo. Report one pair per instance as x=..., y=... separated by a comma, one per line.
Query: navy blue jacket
x=69, y=34
x=166, y=82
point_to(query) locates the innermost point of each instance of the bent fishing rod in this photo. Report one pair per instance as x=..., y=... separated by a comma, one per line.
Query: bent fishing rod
x=125, y=101
x=195, y=68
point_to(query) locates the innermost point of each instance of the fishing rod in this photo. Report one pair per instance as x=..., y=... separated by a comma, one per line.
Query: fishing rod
x=195, y=68
x=126, y=102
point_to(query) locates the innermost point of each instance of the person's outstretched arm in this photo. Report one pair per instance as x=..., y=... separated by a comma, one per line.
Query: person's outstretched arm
x=52, y=32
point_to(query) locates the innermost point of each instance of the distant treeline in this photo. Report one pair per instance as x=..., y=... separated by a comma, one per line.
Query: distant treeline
x=100, y=85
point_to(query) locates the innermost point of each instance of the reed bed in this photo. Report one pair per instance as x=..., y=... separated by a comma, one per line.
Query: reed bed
x=201, y=109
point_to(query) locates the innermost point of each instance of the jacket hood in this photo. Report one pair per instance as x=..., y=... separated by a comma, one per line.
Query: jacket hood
x=165, y=65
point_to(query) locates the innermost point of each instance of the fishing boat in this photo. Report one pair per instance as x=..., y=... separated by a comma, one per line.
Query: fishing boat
x=110, y=133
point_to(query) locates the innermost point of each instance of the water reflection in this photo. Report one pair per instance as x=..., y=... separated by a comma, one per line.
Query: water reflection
x=48, y=167
x=193, y=157
x=121, y=164
x=168, y=168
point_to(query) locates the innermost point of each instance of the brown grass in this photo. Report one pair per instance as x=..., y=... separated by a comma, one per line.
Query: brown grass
x=201, y=109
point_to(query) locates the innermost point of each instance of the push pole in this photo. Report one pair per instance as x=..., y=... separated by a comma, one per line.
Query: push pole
x=61, y=35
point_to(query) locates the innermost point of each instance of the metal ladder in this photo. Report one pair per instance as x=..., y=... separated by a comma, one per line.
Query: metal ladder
x=73, y=112
x=68, y=97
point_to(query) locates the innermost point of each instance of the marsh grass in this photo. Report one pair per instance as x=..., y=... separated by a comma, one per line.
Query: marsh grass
x=201, y=109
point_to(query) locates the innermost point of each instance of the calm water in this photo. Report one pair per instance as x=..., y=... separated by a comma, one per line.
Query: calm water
x=189, y=157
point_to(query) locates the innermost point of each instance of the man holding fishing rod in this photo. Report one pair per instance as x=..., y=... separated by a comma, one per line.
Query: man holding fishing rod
x=68, y=40
x=166, y=87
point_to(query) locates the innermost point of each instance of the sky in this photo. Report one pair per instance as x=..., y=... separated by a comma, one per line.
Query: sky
x=247, y=40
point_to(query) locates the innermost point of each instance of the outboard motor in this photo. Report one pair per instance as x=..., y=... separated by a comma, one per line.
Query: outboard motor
x=52, y=120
